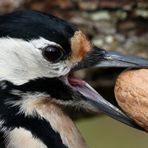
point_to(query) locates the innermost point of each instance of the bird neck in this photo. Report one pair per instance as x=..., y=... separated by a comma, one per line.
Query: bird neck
x=37, y=121
x=61, y=123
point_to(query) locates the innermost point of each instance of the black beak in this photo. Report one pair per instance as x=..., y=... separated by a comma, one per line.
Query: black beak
x=98, y=104
x=102, y=58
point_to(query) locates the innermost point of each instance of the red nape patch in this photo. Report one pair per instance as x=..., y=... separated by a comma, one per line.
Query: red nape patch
x=80, y=46
x=75, y=81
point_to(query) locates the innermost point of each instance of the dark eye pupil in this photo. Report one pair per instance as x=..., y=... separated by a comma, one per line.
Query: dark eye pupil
x=52, y=53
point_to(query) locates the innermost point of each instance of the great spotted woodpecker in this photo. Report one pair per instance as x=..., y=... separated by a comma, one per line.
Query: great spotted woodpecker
x=37, y=53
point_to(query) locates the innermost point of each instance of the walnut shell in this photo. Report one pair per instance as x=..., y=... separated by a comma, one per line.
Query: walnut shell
x=131, y=92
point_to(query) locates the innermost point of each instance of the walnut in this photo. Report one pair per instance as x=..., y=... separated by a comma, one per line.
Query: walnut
x=131, y=92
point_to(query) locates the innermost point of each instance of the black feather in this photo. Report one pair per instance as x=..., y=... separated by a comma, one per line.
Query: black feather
x=30, y=25
x=12, y=118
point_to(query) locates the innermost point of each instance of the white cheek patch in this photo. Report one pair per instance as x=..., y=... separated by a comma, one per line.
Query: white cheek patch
x=21, y=61
x=41, y=43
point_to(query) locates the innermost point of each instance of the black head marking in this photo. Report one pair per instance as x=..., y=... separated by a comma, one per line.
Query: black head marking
x=46, y=85
x=29, y=25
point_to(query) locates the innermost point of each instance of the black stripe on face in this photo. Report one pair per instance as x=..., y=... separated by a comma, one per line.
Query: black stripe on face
x=54, y=87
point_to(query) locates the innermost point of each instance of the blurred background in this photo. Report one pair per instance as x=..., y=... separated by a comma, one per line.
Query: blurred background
x=118, y=25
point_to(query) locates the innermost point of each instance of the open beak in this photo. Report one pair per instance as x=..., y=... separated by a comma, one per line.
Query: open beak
x=102, y=58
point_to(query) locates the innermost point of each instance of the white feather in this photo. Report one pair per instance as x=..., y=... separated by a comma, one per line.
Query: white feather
x=22, y=138
x=21, y=61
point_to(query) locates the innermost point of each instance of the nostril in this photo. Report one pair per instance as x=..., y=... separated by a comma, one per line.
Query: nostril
x=99, y=51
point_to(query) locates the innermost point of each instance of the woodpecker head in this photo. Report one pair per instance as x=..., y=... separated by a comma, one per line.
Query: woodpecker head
x=37, y=53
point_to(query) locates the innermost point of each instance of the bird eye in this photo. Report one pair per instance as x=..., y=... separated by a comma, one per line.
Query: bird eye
x=53, y=53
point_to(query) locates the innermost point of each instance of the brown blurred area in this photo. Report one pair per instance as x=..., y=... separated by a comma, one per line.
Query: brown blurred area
x=118, y=25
